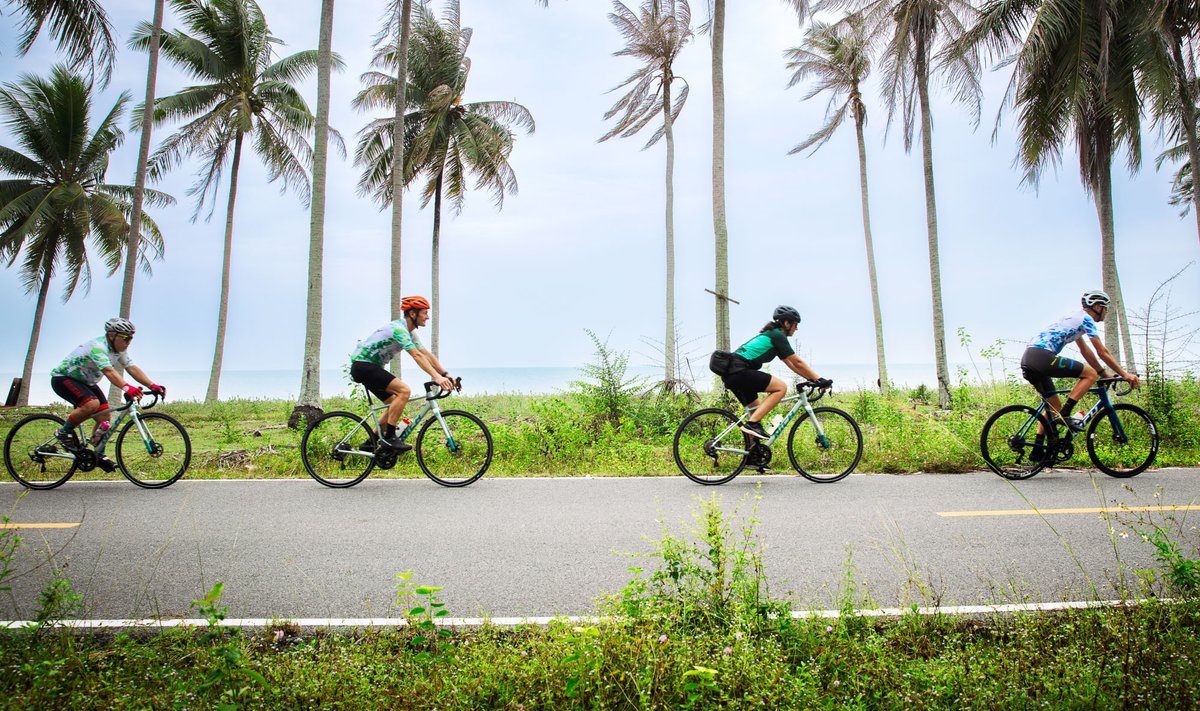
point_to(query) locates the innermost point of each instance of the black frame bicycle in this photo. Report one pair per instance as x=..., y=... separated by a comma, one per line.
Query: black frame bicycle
x=1122, y=439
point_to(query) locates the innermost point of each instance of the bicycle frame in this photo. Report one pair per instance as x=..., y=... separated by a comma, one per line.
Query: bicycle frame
x=130, y=409
x=802, y=402
x=430, y=406
x=1103, y=404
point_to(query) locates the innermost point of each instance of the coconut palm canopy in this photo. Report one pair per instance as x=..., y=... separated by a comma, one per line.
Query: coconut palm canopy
x=591, y=213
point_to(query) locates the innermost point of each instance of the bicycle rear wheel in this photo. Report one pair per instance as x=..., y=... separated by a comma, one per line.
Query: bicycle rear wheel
x=1009, y=442
x=829, y=459
x=34, y=457
x=701, y=456
x=156, y=455
x=458, y=454
x=1125, y=456
x=337, y=450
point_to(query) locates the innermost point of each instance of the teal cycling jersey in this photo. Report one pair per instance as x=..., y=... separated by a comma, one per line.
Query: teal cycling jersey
x=87, y=362
x=385, y=343
x=1065, y=330
x=765, y=347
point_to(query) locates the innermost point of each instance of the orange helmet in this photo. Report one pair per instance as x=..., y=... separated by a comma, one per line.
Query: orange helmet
x=413, y=302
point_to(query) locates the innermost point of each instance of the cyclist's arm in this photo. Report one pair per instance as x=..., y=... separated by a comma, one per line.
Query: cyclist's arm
x=426, y=361
x=115, y=378
x=139, y=375
x=799, y=367
x=1106, y=356
x=437, y=364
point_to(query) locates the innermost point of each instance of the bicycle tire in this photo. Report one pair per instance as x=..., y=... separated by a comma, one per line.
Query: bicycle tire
x=467, y=451
x=158, y=466
x=22, y=461
x=1005, y=452
x=321, y=444
x=1139, y=429
x=827, y=468
x=693, y=438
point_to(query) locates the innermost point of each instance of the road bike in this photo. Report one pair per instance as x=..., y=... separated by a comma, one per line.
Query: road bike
x=453, y=447
x=1122, y=439
x=152, y=449
x=824, y=444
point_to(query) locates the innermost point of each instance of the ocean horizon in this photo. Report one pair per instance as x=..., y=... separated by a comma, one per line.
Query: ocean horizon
x=191, y=385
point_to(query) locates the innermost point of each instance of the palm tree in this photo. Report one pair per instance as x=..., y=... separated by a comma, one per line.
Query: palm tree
x=908, y=34
x=308, y=405
x=654, y=36
x=716, y=29
x=837, y=55
x=445, y=139
x=80, y=28
x=53, y=196
x=244, y=94
x=1074, y=79
x=1173, y=81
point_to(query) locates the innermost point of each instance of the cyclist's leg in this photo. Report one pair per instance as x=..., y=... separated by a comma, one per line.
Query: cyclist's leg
x=1033, y=364
x=775, y=391
x=398, y=396
x=380, y=383
x=85, y=397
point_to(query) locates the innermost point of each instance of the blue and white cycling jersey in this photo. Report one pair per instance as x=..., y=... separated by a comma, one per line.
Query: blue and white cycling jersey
x=1064, y=331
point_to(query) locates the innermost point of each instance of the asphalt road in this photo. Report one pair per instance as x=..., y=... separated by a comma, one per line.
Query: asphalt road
x=537, y=547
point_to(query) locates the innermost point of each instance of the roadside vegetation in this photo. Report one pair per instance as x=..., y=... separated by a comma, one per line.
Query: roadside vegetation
x=697, y=628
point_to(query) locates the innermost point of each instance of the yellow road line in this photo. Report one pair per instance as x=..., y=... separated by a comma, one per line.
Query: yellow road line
x=38, y=525
x=1037, y=512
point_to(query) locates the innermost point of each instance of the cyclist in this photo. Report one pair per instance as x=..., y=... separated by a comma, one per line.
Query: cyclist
x=746, y=380
x=1042, y=362
x=366, y=365
x=75, y=380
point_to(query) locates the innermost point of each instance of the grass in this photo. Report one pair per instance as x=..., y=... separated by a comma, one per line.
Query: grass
x=593, y=432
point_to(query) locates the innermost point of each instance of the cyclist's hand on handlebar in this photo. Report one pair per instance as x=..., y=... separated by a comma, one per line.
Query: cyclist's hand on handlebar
x=444, y=383
x=824, y=383
x=132, y=392
x=1133, y=380
x=158, y=390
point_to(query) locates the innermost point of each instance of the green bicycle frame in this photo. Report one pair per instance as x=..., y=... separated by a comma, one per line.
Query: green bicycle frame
x=802, y=402
x=430, y=406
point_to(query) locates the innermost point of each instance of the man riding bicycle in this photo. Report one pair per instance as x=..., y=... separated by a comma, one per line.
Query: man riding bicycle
x=75, y=380
x=746, y=380
x=366, y=365
x=1042, y=362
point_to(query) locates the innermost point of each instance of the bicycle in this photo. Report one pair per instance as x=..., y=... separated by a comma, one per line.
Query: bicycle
x=340, y=449
x=1121, y=443
x=155, y=456
x=710, y=448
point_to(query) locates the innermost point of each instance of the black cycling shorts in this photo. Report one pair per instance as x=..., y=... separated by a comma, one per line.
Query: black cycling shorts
x=76, y=392
x=747, y=384
x=1040, y=366
x=375, y=378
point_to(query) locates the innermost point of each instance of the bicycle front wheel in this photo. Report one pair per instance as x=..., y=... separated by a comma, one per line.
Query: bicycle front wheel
x=829, y=455
x=1009, y=442
x=338, y=449
x=709, y=448
x=1126, y=452
x=34, y=457
x=156, y=454
x=455, y=449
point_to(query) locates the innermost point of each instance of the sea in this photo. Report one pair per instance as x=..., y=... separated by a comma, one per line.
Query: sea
x=185, y=385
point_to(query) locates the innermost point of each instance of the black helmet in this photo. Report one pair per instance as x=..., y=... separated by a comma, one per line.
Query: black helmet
x=786, y=313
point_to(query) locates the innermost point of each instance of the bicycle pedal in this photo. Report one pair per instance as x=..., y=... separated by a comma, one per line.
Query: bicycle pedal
x=106, y=464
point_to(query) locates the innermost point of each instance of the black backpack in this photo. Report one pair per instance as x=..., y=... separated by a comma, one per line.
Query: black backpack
x=724, y=363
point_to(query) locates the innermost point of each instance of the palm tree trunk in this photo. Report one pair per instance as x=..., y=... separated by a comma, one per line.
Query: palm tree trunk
x=1189, y=127
x=405, y=27
x=669, y=340
x=720, y=229
x=1102, y=192
x=310, y=376
x=935, y=272
x=139, y=184
x=1129, y=361
x=436, y=260
x=214, y=378
x=866, y=215
x=35, y=333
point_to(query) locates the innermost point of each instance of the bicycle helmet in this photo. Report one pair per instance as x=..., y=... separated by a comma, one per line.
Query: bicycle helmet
x=413, y=302
x=1091, y=298
x=786, y=313
x=119, y=325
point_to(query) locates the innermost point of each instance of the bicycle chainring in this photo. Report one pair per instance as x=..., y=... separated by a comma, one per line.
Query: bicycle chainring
x=385, y=458
x=759, y=456
x=1063, y=451
x=86, y=460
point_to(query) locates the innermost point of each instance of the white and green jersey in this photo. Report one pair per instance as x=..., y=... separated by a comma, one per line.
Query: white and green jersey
x=385, y=343
x=86, y=362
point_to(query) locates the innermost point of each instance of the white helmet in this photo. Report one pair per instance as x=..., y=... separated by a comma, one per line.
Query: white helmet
x=1091, y=298
x=119, y=325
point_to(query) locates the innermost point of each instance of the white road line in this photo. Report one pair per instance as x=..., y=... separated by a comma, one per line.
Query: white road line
x=370, y=622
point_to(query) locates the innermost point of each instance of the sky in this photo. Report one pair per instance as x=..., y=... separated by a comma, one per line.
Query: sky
x=581, y=245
